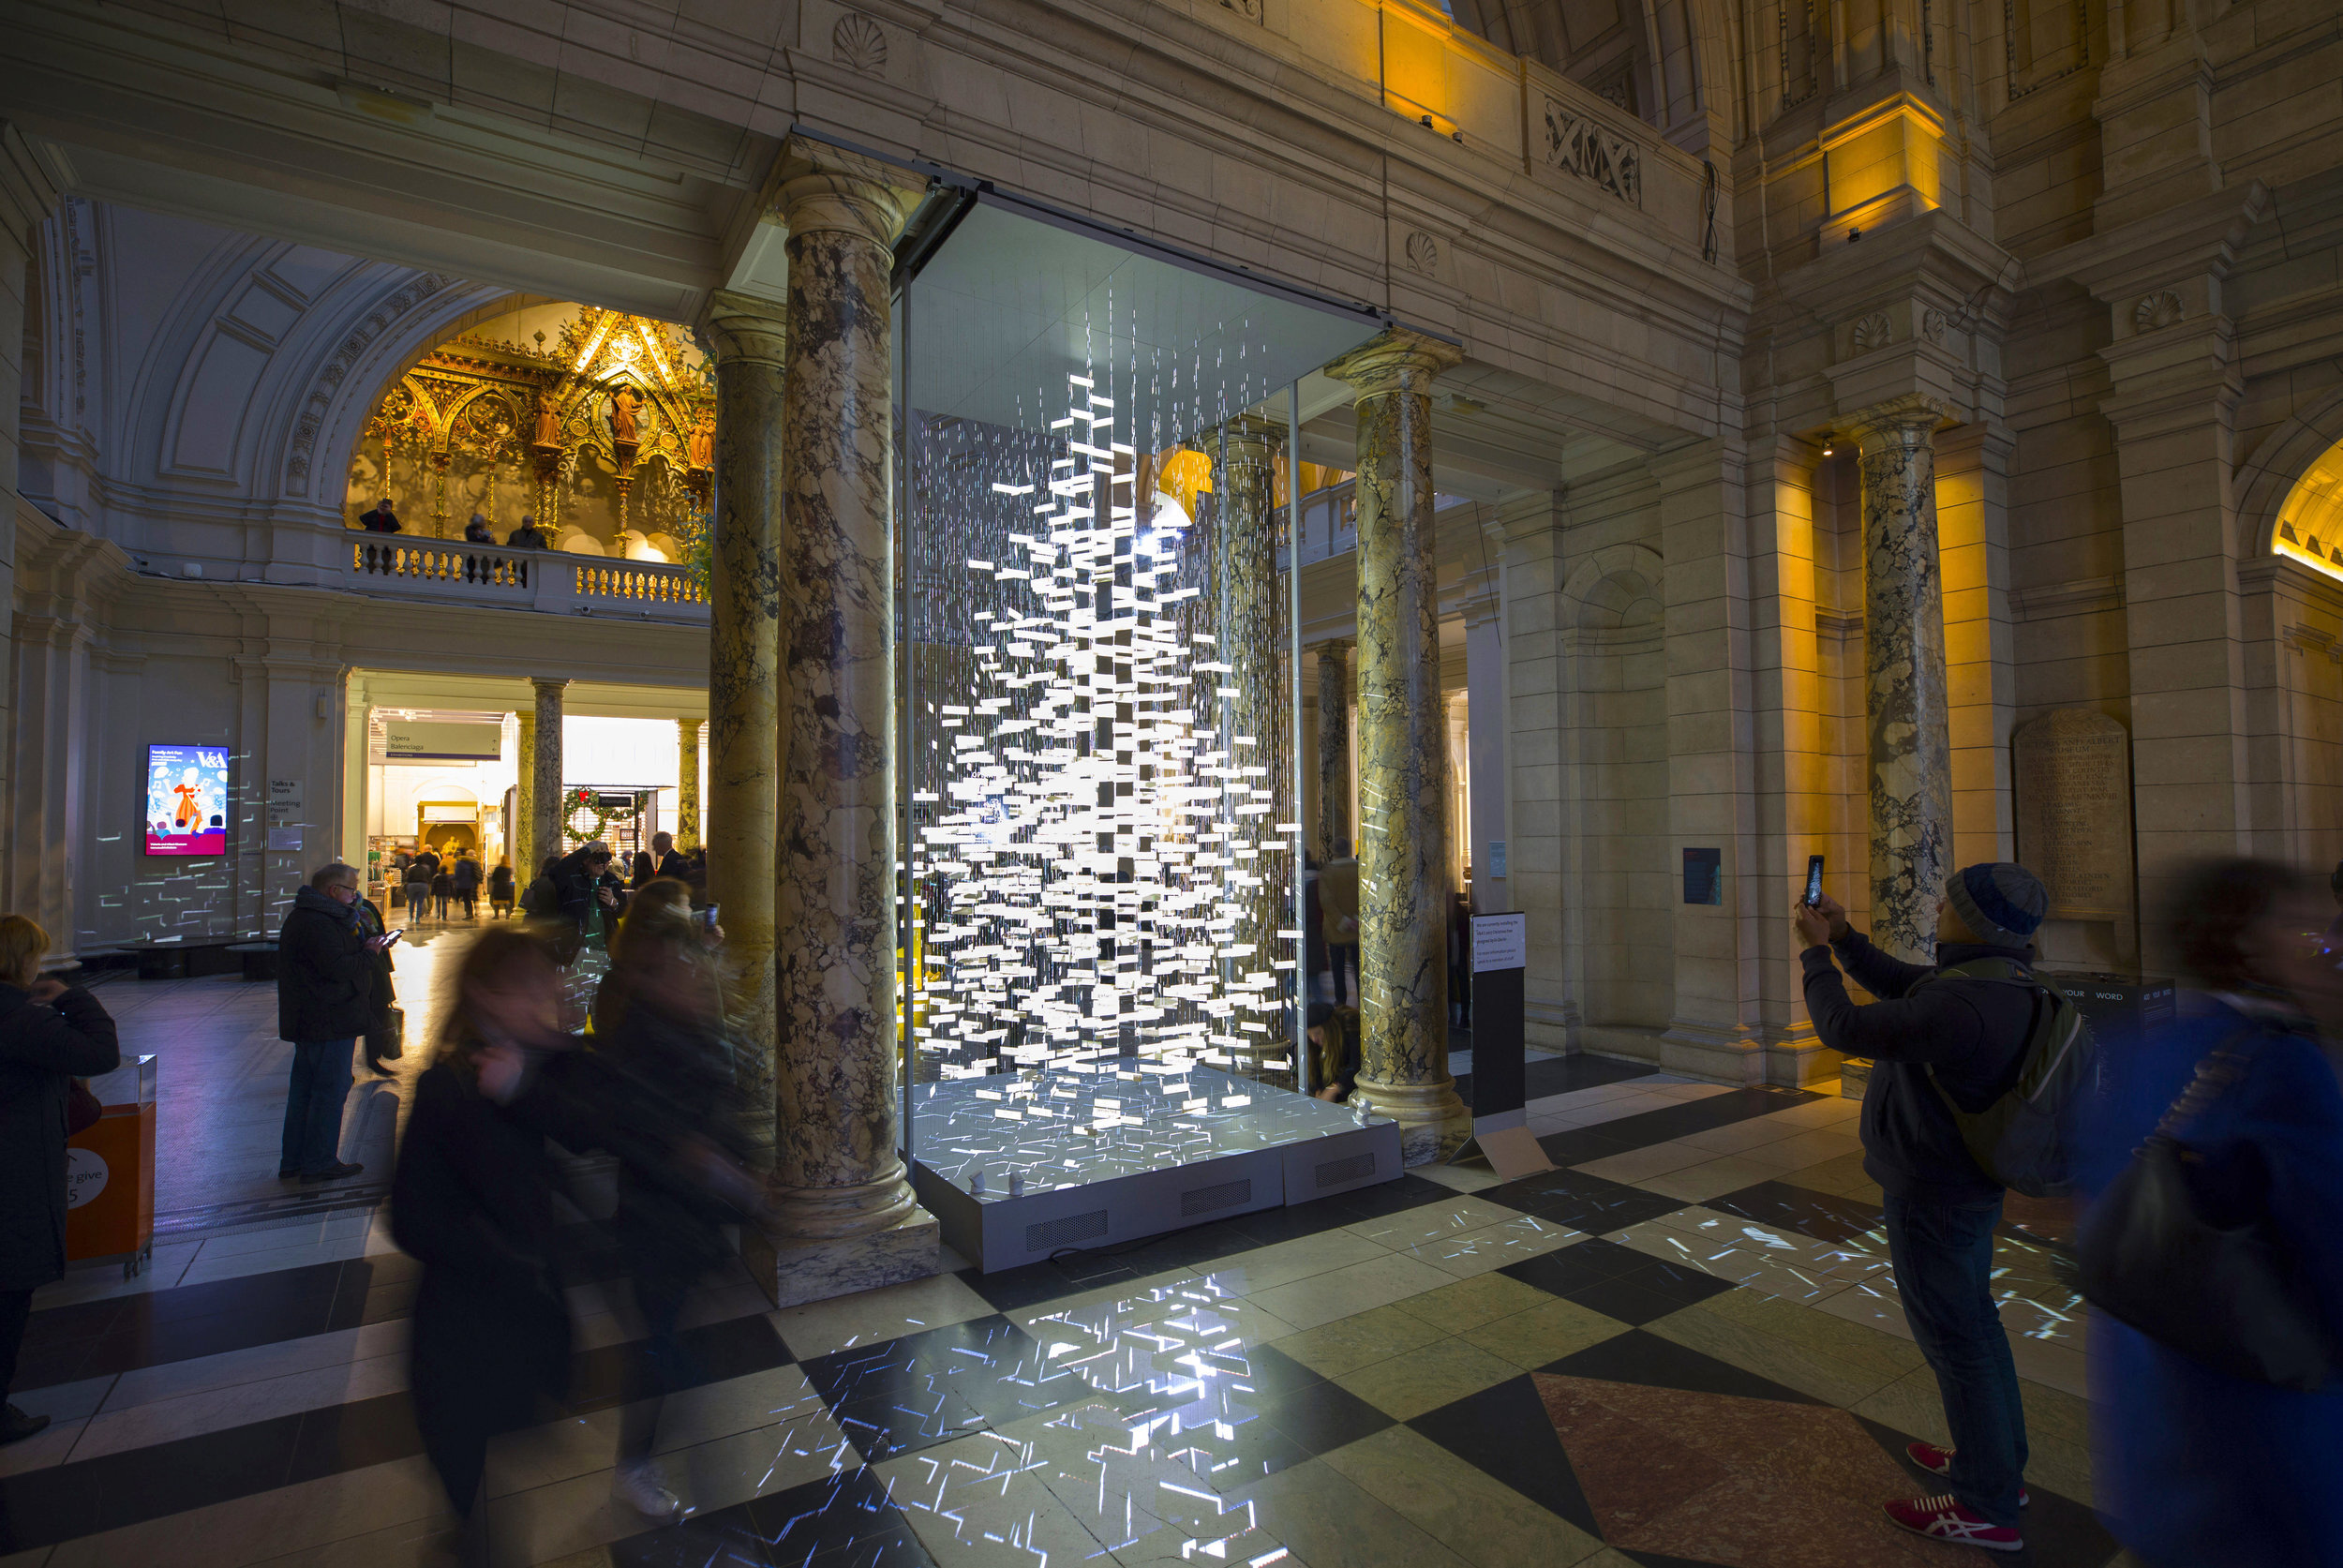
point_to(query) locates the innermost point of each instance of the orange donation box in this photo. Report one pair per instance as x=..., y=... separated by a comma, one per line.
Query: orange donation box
x=110, y=1173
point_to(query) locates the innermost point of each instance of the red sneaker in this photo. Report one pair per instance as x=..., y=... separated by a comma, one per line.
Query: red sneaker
x=1943, y=1518
x=1938, y=1461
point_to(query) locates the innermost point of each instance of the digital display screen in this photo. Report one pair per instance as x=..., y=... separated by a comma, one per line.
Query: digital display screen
x=186, y=799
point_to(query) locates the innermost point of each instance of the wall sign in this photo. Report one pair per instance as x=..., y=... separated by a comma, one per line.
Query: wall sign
x=418, y=740
x=1704, y=877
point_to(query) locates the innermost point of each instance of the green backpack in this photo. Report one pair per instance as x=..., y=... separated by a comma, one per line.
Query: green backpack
x=2023, y=1139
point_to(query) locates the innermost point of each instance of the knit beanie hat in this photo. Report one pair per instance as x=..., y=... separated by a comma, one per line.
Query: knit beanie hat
x=2000, y=901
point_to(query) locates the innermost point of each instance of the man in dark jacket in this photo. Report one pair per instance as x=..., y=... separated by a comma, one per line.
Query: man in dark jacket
x=49, y=1035
x=467, y=875
x=326, y=976
x=1937, y=1032
x=381, y=519
x=578, y=883
x=664, y=862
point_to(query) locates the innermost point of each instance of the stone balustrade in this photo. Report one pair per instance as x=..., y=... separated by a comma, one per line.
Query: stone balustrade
x=495, y=576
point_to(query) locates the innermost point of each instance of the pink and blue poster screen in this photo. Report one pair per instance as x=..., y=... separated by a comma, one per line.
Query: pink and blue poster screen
x=186, y=799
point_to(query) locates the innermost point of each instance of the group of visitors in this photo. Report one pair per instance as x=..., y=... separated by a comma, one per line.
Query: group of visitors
x=432, y=883
x=384, y=519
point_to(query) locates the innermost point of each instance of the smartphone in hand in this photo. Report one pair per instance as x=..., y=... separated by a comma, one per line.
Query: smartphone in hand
x=1813, y=880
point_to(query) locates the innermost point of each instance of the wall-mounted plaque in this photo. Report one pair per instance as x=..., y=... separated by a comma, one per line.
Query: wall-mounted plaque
x=2073, y=779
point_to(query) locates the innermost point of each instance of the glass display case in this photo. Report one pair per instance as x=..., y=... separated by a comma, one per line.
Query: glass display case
x=1100, y=824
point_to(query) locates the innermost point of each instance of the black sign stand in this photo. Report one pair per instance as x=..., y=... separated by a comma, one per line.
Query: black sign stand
x=1500, y=1124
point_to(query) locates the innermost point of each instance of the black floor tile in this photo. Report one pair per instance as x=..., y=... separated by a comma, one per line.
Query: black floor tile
x=1637, y=1357
x=354, y=1436
x=1824, y=1216
x=1569, y=1269
x=1384, y=1199
x=1028, y=1284
x=1594, y=1205
x=1322, y=1416
x=1653, y=1560
x=806, y=1523
x=1584, y=1145
x=1189, y=1248
x=1616, y=1281
x=892, y=1423
x=1505, y=1433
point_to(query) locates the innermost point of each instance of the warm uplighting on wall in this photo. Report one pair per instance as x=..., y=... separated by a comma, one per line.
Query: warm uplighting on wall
x=2310, y=524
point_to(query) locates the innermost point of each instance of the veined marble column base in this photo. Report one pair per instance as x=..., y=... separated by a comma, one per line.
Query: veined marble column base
x=793, y=1271
x=1433, y=1122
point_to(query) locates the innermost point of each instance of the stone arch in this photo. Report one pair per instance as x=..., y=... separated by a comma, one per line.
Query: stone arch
x=1619, y=948
x=1608, y=590
x=2266, y=483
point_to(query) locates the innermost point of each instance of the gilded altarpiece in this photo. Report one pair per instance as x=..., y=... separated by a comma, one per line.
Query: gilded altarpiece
x=600, y=426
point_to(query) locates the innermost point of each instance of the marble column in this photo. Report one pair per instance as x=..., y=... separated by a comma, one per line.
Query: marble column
x=746, y=337
x=1333, y=749
x=546, y=815
x=1484, y=678
x=844, y=1218
x=524, y=781
x=1252, y=640
x=1904, y=703
x=1403, y=751
x=687, y=784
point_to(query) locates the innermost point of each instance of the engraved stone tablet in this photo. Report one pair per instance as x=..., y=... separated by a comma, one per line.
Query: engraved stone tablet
x=2073, y=779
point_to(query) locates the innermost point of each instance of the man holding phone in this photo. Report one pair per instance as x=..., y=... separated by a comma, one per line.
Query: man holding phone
x=1938, y=1031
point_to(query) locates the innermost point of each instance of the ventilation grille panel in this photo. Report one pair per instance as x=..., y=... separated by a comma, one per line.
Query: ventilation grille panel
x=1051, y=1234
x=1204, y=1200
x=1337, y=1172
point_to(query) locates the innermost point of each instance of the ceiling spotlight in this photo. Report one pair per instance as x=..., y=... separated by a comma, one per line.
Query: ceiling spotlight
x=1826, y=447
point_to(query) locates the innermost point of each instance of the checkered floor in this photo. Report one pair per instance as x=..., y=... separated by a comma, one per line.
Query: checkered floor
x=1682, y=1348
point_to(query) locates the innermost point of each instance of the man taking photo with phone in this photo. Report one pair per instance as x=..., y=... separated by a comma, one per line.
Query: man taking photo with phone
x=1947, y=1042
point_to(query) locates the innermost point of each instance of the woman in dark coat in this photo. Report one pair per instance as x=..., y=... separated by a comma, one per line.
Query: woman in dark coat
x=667, y=1074
x=472, y=1202
x=49, y=1035
x=2192, y=1467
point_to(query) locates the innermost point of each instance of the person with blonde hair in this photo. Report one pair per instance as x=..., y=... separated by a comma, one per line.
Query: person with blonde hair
x=50, y=1032
x=471, y=1200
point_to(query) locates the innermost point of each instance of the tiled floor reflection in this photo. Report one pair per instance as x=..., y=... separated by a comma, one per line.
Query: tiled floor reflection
x=1691, y=1325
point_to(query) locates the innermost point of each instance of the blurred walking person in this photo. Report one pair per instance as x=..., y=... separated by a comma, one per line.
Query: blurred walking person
x=2213, y=1247
x=326, y=976
x=500, y=889
x=467, y=874
x=49, y=1034
x=658, y=1020
x=472, y=1202
x=418, y=891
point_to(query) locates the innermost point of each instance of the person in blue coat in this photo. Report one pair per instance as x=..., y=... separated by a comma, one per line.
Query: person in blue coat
x=2194, y=1467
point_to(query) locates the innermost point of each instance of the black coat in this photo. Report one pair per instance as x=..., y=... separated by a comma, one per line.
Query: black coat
x=42, y=1050
x=471, y=1200
x=675, y=866
x=467, y=874
x=1970, y=1034
x=324, y=972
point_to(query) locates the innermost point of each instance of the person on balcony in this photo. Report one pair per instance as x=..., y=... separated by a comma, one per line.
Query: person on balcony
x=476, y=532
x=527, y=536
x=381, y=519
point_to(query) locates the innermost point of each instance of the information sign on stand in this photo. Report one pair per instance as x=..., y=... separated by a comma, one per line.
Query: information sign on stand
x=1500, y=1120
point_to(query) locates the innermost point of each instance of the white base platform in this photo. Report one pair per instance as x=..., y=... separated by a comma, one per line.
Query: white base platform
x=1186, y=1148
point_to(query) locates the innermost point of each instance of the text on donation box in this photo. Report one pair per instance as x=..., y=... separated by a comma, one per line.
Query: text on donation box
x=1500, y=947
